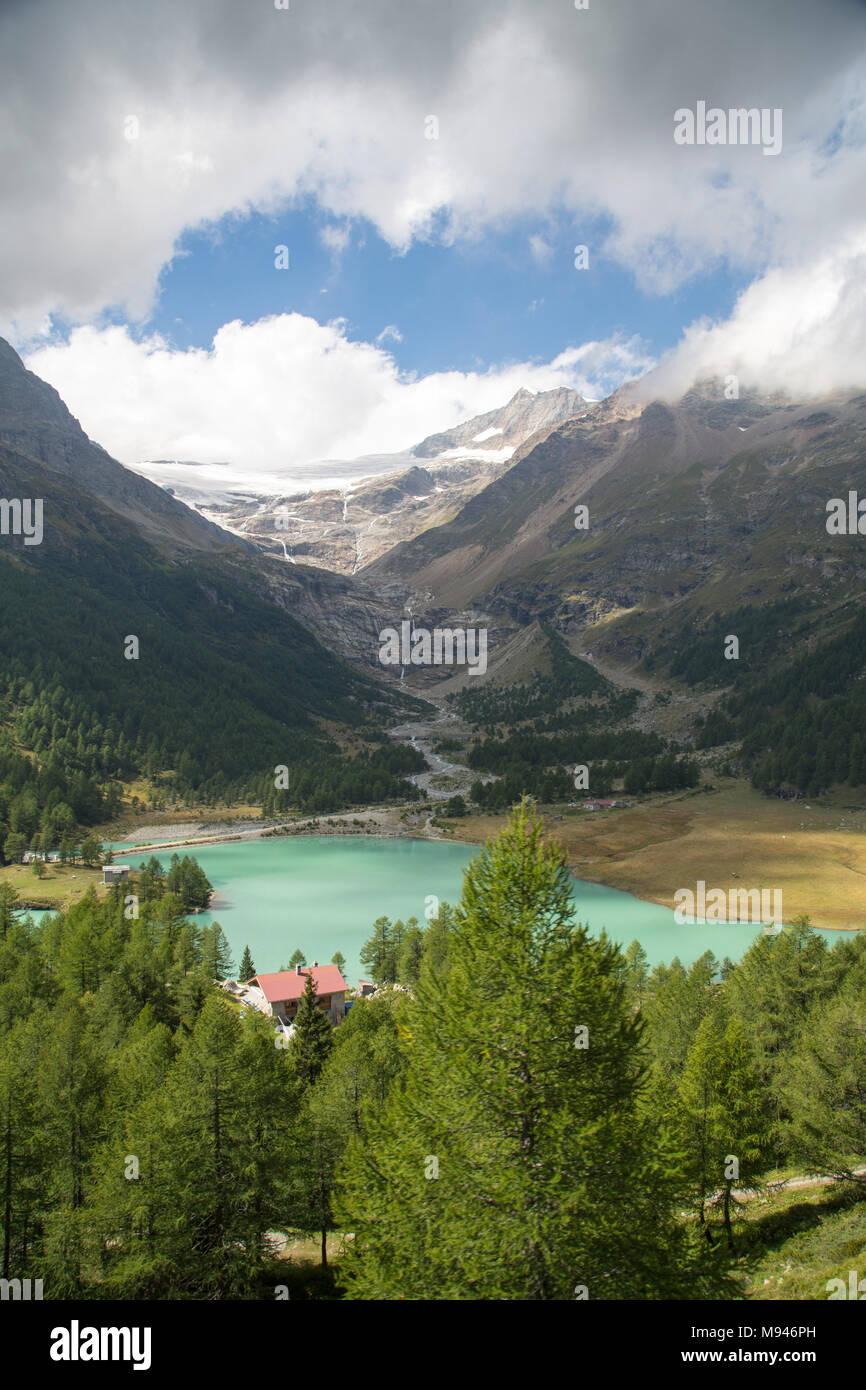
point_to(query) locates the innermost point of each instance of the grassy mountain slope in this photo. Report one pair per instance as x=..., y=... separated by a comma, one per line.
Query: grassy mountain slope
x=227, y=682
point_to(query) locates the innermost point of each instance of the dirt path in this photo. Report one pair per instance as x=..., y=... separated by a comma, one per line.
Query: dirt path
x=389, y=822
x=124, y=851
x=748, y=1194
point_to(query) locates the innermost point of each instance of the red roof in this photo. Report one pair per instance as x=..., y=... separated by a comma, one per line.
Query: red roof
x=288, y=984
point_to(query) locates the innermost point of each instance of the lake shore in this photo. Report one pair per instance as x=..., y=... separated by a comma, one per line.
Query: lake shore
x=730, y=836
x=386, y=821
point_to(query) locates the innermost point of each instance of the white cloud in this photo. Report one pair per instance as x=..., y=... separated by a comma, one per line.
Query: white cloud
x=336, y=237
x=262, y=398
x=540, y=249
x=801, y=330
x=390, y=331
x=542, y=108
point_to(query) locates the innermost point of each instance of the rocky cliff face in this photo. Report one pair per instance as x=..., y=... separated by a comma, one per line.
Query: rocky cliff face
x=99, y=515
x=692, y=508
x=508, y=427
x=229, y=643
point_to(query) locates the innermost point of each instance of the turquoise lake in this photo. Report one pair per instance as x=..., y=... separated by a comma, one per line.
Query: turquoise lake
x=323, y=894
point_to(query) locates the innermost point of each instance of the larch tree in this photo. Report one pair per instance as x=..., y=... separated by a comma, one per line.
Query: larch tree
x=637, y=973
x=513, y=1163
x=71, y=1074
x=377, y=954
x=724, y=1114
x=212, y=1145
x=216, y=952
x=22, y=1165
x=824, y=1088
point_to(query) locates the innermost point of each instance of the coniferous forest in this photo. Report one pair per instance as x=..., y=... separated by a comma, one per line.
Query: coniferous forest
x=520, y=1111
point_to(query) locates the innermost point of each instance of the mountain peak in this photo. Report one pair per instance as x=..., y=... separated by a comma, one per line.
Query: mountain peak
x=26, y=400
x=512, y=424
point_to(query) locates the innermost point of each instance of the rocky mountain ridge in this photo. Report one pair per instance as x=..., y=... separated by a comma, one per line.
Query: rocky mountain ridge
x=695, y=507
x=344, y=529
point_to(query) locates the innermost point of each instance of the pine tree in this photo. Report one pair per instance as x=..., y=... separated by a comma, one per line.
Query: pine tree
x=723, y=1113
x=213, y=1154
x=824, y=1086
x=247, y=970
x=513, y=1162
x=637, y=974
x=318, y=1142
x=216, y=952
x=409, y=953
x=377, y=953
x=364, y=1063
x=366, y=1059
x=22, y=1167
x=8, y=908
x=195, y=987
x=151, y=879
x=679, y=1001
x=313, y=1037
x=91, y=849
x=296, y=958
x=773, y=989
x=188, y=880
x=71, y=1080
x=14, y=846
x=437, y=939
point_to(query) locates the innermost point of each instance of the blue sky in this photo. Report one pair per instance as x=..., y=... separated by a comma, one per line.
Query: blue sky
x=462, y=307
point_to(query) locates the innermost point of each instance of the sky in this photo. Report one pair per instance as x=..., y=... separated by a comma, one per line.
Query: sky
x=272, y=235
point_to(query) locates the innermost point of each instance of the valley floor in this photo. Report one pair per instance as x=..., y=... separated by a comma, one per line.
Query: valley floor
x=726, y=834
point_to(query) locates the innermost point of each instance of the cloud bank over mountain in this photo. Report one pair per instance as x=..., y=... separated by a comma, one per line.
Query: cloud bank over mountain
x=286, y=391
x=801, y=331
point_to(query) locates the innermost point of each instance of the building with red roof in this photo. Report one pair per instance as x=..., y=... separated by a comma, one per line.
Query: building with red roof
x=283, y=989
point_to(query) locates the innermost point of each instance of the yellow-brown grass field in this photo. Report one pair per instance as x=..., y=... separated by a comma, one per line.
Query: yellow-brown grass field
x=730, y=837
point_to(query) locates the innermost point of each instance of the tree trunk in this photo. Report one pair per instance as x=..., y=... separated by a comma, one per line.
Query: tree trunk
x=7, y=1203
x=728, y=1216
x=324, y=1248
